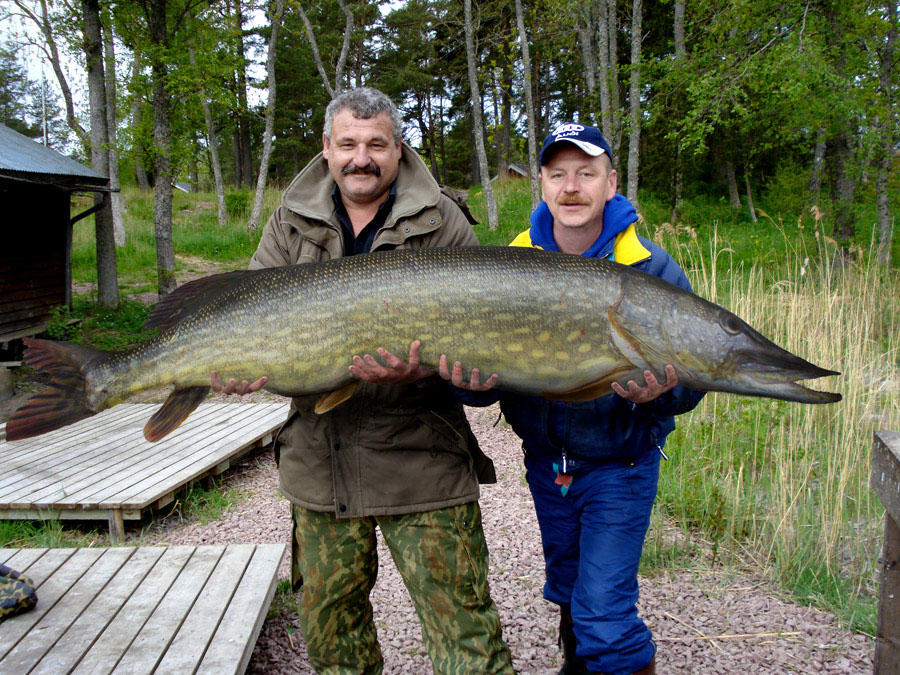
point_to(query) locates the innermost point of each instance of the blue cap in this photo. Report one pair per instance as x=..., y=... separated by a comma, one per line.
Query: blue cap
x=589, y=139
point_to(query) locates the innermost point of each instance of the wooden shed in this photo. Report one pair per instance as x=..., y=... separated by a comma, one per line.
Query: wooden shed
x=36, y=231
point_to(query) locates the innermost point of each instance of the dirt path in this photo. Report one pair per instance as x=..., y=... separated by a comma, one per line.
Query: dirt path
x=704, y=621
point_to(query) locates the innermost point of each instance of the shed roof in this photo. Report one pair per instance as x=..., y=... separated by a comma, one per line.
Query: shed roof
x=22, y=158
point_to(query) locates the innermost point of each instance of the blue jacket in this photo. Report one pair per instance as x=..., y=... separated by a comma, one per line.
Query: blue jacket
x=610, y=427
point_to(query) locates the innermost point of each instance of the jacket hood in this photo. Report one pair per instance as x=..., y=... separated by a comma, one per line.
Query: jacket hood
x=618, y=214
x=309, y=194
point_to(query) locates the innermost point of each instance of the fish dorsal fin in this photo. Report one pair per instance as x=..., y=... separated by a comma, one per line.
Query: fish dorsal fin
x=57, y=357
x=185, y=300
x=592, y=390
x=335, y=398
x=181, y=403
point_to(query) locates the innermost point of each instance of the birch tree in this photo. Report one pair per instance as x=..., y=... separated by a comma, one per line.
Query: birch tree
x=335, y=89
x=109, y=56
x=270, y=120
x=533, y=168
x=212, y=141
x=477, y=117
x=634, y=95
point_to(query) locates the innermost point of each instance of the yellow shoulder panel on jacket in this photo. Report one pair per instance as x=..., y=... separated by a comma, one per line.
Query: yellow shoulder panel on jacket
x=628, y=249
x=523, y=239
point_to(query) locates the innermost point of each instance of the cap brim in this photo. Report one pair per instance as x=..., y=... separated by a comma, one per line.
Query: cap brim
x=588, y=148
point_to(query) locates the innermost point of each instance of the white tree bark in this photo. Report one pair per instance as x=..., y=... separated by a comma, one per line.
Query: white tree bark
x=255, y=213
x=634, y=94
x=476, y=115
x=533, y=168
x=335, y=89
x=112, y=127
x=212, y=141
x=887, y=142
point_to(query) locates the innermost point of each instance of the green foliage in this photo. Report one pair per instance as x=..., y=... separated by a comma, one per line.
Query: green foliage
x=47, y=534
x=205, y=501
x=87, y=323
x=237, y=203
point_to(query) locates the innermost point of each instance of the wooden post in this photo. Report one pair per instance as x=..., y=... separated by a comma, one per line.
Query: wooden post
x=116, y=526
x=885, y=481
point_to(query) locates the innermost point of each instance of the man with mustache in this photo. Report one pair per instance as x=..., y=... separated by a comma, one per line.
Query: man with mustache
x=592, y=467
x=399, y=454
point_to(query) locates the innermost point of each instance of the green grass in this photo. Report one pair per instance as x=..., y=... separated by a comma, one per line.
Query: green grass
x=48, y=534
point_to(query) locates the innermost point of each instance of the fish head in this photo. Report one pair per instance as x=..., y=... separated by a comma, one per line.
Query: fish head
x=711, y=348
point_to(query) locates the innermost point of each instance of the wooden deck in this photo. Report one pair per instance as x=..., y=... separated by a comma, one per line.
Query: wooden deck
x=181, y=609
x=102, y=468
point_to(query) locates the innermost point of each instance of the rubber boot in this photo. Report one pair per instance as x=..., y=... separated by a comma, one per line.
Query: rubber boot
x=572, y=664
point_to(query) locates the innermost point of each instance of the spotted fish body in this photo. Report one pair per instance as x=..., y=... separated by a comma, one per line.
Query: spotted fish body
x=549, y=324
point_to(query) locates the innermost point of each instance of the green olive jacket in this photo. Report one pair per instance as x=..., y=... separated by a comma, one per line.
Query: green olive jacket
x=388, y=449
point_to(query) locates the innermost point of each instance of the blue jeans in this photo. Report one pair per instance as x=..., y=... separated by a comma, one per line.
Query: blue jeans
x=592, y=535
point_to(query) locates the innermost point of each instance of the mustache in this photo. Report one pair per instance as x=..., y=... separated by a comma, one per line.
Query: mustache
x=566, y=200
x=373, y=169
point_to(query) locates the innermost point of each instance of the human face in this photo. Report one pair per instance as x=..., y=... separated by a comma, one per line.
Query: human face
x=362, y=156
x=576, y=188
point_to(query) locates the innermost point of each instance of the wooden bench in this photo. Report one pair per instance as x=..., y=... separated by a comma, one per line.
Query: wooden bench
x=102, y=468
x=885, y=481
x=180, y=609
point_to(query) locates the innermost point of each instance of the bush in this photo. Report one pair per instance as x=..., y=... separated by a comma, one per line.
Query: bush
x=237, y=203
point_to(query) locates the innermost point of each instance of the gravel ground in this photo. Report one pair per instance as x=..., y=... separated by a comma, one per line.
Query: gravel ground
x=705, y=621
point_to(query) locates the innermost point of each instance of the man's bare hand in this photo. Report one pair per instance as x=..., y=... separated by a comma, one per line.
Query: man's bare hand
x=455, y=377
x=232, y=386
x=638, y=394
x=396, y=371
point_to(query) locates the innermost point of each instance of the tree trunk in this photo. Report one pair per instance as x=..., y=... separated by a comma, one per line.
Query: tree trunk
x=615, y=119
x=476, y=113
x=886, y=149
x=529, y=108
x=734, y=197
x=750, y=207
x=140, y=173
x=270, y=122
x=680, y=49
x=842, y=188
x=162, y=138
x=432, y=150
x=115, y=195
x=212, y=143
x=584, y=27
x=814, y=184
x=243, y=108
x=107, y=283
x=634, y=94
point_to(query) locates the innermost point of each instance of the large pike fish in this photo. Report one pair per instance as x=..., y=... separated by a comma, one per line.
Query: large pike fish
x=549, y=324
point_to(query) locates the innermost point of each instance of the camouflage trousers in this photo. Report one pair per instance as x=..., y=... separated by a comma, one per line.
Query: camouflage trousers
x=443, y=559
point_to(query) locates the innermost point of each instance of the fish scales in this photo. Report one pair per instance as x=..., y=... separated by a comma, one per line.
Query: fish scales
x=547, y=323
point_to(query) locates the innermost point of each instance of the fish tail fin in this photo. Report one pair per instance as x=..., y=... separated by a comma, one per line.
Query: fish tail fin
x=181, y=403
x=64, y=402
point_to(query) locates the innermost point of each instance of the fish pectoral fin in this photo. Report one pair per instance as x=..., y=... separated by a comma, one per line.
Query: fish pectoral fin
x=181, y=403
x=591, y=390
x=335, y=398
x=624, y=341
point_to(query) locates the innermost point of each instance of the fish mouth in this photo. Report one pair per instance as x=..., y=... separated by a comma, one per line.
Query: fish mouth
x=777, y=375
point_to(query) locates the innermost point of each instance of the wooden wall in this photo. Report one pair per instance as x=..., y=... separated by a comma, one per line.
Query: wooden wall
x=34, y=244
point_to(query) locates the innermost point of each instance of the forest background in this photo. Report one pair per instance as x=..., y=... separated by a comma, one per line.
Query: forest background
x=757, y=139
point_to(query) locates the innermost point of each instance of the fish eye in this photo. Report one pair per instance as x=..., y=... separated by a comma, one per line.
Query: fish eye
x=730, y=323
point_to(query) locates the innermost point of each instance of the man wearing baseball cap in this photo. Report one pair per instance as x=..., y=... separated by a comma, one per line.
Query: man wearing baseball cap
x=592, y=467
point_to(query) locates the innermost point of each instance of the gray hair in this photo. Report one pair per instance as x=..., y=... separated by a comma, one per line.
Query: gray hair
x=365, y=103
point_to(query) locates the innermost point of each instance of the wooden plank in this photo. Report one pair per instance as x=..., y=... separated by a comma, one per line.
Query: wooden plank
x=59, y=449
x=88, y=440
x=53, y=579
x=121, y=631
x=21, y=559
x=237, y=633
x=885, y=481
x=155, y=461
x=885, y=476
x=193, y=465
x=70, y=604
x=158, y=632
x=187, y=649
x=112, y=448
x=69, y=649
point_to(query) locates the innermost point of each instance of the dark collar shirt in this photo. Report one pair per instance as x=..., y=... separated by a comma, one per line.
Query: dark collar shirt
x=362, y=243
